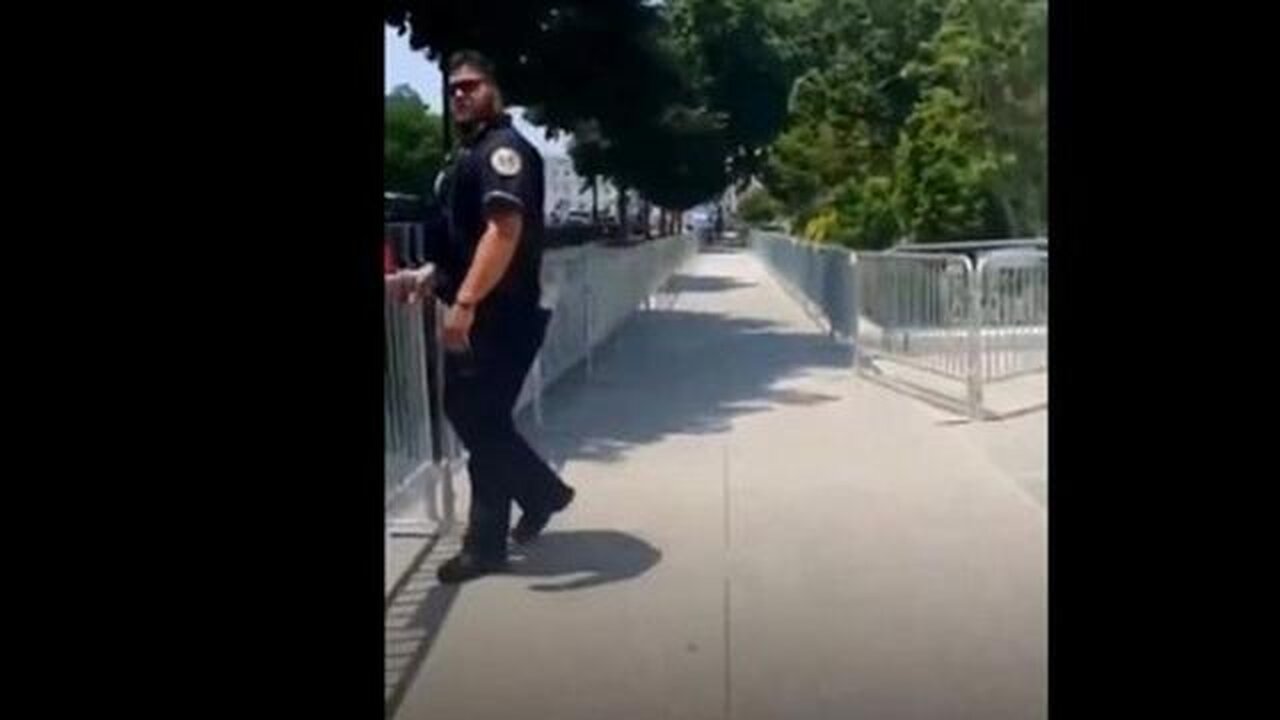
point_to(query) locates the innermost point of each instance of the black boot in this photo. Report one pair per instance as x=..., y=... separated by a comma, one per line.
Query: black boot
x=532, y=523
x=467, y=565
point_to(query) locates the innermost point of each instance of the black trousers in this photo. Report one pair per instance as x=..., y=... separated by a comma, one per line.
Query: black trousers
x=481, y=388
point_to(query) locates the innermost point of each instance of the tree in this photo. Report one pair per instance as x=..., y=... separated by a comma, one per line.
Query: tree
x=921, y=118
x=992, y=54
x=758, y=207
x=539, y=47
x=847, y=110
x=658, y=125
x=588, y=151
x=945, y=165
x=733, y=55
x=411, y=143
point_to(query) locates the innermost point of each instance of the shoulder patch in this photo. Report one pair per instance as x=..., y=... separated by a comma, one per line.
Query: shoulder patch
x=505, y=161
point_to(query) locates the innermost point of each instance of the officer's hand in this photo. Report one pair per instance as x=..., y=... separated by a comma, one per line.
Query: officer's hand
x=457, y=328
x=397, y=285
x=411, y=286
x=420, y=284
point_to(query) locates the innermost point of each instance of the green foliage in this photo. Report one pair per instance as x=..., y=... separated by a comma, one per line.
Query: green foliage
x=993, y=54
x=944, y=166
x=411, y=148
x=664, y=97
x=734, y=60
x=913, y=118
x=873, y=119
x=822, y=226
x=868, y=214
x=759, y=207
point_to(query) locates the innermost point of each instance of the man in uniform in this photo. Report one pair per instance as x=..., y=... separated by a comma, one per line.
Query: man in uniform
x=489, y=266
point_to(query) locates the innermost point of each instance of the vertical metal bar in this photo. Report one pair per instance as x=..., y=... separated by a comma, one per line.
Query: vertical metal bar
x=1005, y=310
x=423, y=397
x=929, y=318
x=989, y=294
x=913, y=298
x=447, y=439
x=975, y=338
x=1022, y=322
x=937, y=316
x=587, y=327
x=930, y=286
x=855, y=322
x=891, y=277
x=949, y=320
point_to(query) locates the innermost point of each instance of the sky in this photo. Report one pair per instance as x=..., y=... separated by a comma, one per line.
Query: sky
x=404, y=66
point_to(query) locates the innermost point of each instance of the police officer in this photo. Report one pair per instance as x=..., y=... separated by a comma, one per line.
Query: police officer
x=488, y=272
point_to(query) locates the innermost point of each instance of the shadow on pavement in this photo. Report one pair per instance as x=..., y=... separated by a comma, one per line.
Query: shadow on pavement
x=678, y=372
x=882, y=372
x=420, y=604
x=682, y=283
x=412, y=621
x=605, y=556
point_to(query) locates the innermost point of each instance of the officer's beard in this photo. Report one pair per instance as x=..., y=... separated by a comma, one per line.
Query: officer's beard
x=469, y=128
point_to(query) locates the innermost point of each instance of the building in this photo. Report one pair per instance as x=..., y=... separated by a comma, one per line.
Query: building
x=565, y=191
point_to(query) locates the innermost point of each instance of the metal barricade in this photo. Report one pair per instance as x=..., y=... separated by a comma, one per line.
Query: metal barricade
x=915, y=307
x=408, y=243
x=933, y=311
x=1014, y=291
x=821, y=278
x=418, y=447
x=622, y=279
x=591, y=290
x=938, y=312
x=565, y=293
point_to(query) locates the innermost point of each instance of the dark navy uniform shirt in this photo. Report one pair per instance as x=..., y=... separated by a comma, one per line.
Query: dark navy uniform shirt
x=496, y=167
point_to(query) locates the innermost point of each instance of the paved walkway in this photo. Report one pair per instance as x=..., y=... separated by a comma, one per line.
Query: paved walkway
x=758, y=534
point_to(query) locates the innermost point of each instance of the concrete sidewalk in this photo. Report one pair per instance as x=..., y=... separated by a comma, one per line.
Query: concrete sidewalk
x=758, y=534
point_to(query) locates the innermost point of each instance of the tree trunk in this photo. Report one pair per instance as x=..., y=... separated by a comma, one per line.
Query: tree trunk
x=1010, y=217
x=624, y=221
x=595, y=200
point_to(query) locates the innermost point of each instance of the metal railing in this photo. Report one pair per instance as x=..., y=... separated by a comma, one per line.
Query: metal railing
x=408, y=243
x=591, y=290
x=418, y=446
x=975, y=246
x=938, y=311
x=820, y=277
x=916, y=308
x=1013, y=288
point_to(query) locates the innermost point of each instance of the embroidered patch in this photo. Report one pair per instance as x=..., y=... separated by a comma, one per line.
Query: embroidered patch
x=505, y=162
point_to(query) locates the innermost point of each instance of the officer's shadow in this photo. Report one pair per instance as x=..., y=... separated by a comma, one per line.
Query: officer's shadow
x=592, y=557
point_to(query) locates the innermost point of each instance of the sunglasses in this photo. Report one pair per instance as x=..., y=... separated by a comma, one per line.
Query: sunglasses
x=464, y=87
